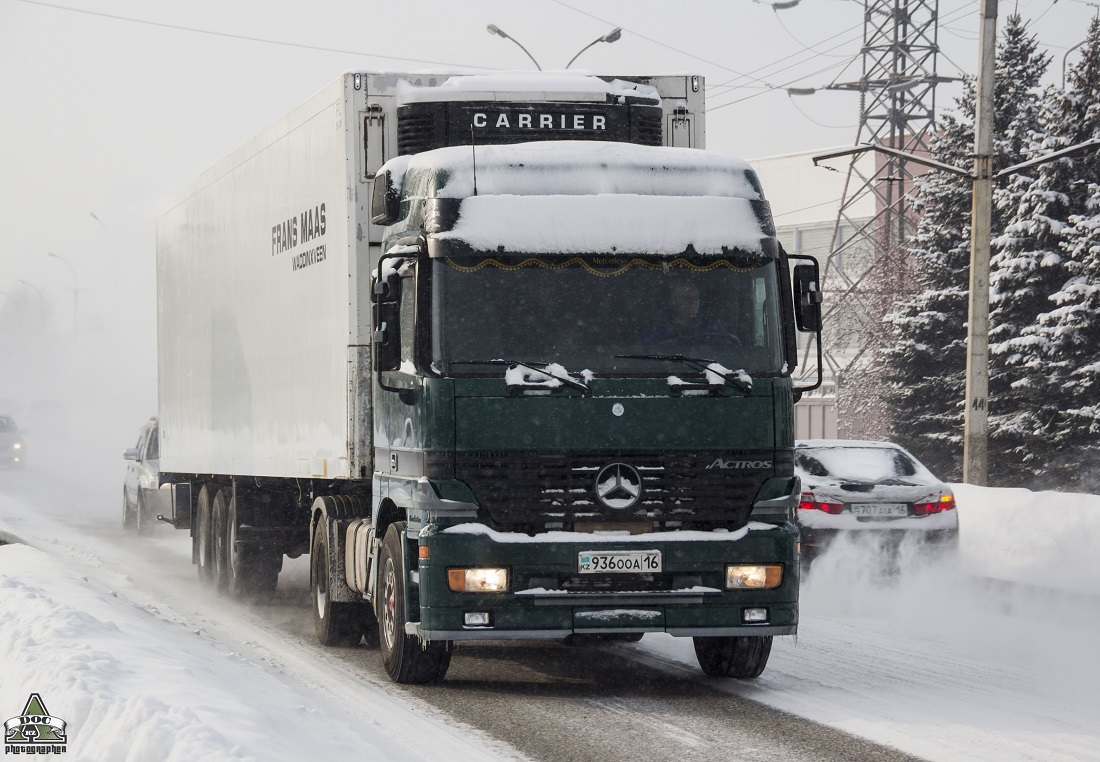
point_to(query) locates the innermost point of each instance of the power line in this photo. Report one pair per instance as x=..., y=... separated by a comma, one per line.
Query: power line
x=248, y=38
x=819, y=124
x=805, y=47
x=661, y=44
x=781, y=87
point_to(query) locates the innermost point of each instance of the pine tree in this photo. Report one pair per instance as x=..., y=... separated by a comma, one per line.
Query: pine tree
x=927, y=363
x=1060, y=351
x=928, y=358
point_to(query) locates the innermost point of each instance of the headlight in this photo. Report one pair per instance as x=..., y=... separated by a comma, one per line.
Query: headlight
x=744, y=577
x=477, y=580
x=17, y=446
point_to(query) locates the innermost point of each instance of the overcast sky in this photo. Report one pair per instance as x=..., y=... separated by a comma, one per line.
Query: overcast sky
x=110, y=105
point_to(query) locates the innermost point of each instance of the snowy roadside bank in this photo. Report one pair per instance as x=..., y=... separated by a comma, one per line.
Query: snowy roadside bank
x=138, y=678
x=1049, y=539
x=939, y=664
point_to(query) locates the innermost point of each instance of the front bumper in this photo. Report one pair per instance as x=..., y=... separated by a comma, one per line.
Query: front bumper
x=549, y=599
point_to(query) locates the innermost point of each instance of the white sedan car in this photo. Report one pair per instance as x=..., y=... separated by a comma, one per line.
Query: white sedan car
x=874, y=492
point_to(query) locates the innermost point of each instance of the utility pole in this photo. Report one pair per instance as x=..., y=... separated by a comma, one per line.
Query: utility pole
x=976, y=425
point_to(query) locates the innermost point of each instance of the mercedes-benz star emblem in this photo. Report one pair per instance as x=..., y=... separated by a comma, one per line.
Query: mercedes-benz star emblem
x=618, y=486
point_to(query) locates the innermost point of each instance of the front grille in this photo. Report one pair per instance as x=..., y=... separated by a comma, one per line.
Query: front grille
x=691, y=490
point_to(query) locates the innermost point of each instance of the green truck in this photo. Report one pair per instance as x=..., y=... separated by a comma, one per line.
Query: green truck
x=530, y=378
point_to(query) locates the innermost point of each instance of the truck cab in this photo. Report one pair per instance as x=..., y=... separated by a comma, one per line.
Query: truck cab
x=583, y=404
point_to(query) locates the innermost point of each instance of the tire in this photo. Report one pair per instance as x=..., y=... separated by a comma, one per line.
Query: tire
x=129, y=521
x=203, y=536
x=405, y=658
x=145, y=522
x=220, y=533
x=336, y=624
x=251, y=572
x=742, y=656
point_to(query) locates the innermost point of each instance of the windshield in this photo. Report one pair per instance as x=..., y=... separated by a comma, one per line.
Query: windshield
x=872, y=464
x=584, y=312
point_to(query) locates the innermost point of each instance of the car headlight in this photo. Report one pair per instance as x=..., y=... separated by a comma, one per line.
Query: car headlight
x=753, y=577
x=477, y=580
x=17, y=446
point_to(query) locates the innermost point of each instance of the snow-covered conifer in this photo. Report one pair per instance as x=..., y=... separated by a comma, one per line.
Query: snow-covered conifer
x=927, y=363
x=1060, y=351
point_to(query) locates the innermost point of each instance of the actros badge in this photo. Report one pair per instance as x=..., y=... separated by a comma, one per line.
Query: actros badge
x=619, y=486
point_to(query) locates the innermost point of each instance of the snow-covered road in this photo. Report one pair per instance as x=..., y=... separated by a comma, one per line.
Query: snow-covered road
x=144, y=664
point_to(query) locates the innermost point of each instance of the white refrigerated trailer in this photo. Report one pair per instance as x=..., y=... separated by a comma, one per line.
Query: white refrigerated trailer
x=263, y=283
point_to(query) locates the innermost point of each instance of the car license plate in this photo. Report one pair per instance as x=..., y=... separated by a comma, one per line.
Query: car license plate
x=880, y=510
x=619, y=561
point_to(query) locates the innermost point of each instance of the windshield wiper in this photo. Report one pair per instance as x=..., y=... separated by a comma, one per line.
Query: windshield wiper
x=533, y=365
x=703, y=366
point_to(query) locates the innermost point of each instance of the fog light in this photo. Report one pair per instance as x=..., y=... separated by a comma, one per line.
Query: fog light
x=477, y=580
x=753, y=577
x=754, y=616
x=478, y=619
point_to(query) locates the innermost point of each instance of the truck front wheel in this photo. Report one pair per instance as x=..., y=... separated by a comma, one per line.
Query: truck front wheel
x=405, y=658
x=739, y=656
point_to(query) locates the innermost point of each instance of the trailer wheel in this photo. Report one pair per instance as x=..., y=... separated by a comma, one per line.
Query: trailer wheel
x=220, y=549
x=405, y=658
x=252, y=572
x=145, y=522
x=129, y=521
x=739, y=656
x=336, y=624
x=202, y=537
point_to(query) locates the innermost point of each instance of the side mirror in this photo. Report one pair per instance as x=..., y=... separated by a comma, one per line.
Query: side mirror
x=385, y=201
x=387, y=336
x=807, y=298
x=131, y=453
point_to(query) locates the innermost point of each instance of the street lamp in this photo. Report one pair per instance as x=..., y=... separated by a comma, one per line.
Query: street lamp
x=41, y=299
x=494, y=29
x=75, y=289
x=611, y=36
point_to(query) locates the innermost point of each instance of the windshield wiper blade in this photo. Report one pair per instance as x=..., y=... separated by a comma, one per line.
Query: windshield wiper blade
x=702, y=365
x=533, y=365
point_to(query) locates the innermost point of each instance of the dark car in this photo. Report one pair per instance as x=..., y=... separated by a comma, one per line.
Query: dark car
x=13, y=447
x=873, y=493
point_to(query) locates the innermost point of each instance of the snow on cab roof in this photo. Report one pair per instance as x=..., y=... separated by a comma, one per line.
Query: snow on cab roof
x=576, y=197
x=525, y=86
x=577, y=167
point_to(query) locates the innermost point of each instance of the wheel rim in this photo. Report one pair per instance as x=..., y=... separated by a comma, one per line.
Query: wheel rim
x=320, y=586
x=389, y=605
